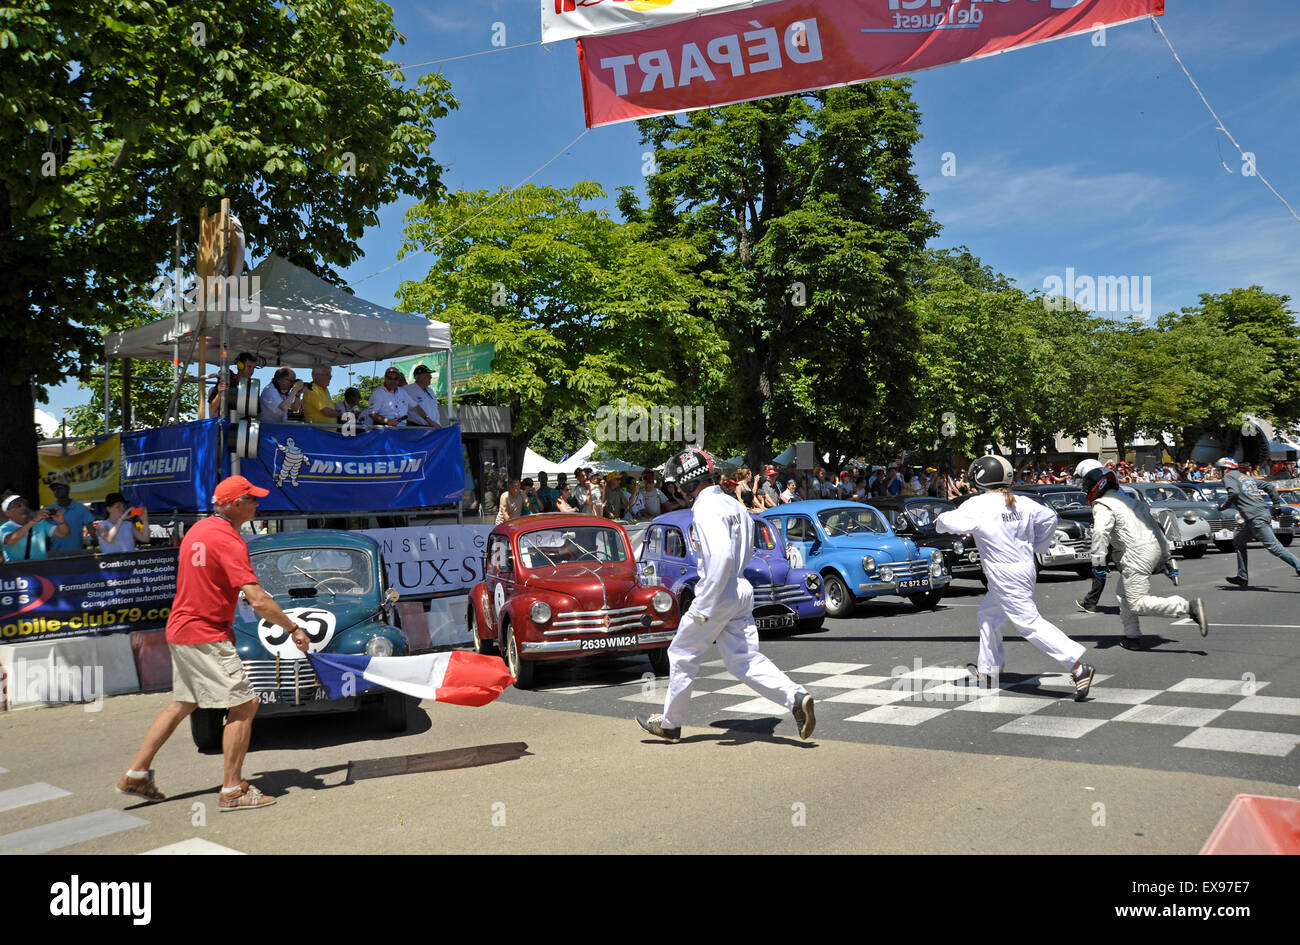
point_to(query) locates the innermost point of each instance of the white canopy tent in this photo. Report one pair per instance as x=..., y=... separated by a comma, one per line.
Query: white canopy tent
x=294, y=318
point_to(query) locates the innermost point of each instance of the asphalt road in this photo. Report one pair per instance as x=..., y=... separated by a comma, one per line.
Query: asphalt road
x=905, y=759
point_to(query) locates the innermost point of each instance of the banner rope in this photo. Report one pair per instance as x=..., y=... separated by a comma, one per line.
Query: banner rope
x=438, y=62
x=1219, y=121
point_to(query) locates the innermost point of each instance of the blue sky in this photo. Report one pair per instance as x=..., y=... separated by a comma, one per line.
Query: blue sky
x=1097, y=158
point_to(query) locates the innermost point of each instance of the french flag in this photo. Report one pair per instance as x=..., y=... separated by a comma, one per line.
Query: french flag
x=457, y=676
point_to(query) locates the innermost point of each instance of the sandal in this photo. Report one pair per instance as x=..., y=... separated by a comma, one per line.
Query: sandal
x=248, y=798
x=141, y=787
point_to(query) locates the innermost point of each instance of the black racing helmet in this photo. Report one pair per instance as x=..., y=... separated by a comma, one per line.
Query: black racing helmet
x=691, y=467
x=990, y=472
x=1097, y=482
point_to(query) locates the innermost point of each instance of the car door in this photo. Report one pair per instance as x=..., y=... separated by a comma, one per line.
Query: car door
x=675, y=560
x=800, y=535
x=500, y=576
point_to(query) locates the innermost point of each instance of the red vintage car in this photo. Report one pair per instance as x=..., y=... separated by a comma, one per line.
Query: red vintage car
x=559, y=586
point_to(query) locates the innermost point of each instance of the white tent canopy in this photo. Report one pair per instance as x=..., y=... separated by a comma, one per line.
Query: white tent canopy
x=296, y=319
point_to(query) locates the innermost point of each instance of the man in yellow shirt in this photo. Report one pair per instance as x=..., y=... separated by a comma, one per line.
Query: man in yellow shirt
x=317, y=404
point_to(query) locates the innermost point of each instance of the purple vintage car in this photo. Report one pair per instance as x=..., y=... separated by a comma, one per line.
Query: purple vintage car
x=785, y=598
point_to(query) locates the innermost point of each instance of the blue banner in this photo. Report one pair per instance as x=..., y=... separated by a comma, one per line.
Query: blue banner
x=173, y=467
x=84, y=594
x=318, y=469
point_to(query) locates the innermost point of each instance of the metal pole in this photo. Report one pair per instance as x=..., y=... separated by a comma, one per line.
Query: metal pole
x=451, y=406
x=108, y=393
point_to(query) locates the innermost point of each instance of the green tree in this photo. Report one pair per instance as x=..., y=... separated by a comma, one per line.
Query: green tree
x=582, y=310
x=1264, y=319
x=807, y=209
x=119, y=120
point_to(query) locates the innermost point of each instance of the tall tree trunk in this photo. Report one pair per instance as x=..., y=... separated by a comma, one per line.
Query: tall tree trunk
x=19, y=469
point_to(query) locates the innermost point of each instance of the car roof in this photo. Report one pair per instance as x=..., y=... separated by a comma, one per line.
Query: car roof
x=313, y=538
x=551, y=520
x=818, y=505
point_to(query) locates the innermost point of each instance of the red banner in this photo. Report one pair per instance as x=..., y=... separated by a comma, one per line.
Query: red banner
x=799, y=45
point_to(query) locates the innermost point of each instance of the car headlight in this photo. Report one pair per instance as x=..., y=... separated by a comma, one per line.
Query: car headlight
x=868, y=564
x=540, y=612
x=936, y=563
x=886, y=574
x=813, y=582
x=1238, y=518
x=1190, y=518
x=379, y=646
x=662, y=602
x=957, y=546
x=973, y=556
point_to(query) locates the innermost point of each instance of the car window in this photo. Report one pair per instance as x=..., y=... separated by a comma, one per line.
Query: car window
x=763, y=536
x=498, y=554
x=851, y=521
x=674, y=547
x=798, y=528
x=1170, y=494
x=1064, y=501
x=331, y=571
x=571, y=545
x=654, y=540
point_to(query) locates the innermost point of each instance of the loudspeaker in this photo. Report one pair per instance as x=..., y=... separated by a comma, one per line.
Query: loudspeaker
x=803, y=455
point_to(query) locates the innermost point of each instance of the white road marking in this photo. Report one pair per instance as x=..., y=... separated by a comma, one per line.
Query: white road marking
x=1122, y=696
x=847, y=681
x=758, y=706
x=1220, y=687
x=65, y=833
x=869, y=696
x=1050, y=726
x=30, y=794
x=194, y=846
x=830, y=669
x=1004, y=704
x=1169, y=715
x=1271, y=705
x=896, y=715
x=937, y=672
x=1276, y=744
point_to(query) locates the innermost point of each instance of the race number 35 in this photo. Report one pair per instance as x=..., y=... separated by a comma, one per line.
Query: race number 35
x=318, y=624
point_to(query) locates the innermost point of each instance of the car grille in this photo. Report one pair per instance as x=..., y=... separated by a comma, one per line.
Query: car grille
x=293, y=679
x=605, y=620
x=1218, y=522
x=913, y=568
x=780, y=594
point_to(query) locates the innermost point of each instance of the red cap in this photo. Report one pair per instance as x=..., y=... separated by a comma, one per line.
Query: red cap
x=236, y=487
x=768, y=469
x=844, y=474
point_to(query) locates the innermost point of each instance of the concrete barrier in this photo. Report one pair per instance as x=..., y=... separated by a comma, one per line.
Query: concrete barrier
x=1254, y=823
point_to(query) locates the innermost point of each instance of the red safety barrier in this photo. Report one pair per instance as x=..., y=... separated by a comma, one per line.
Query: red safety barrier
x=1254, y=823
x=411, y=617
x=153, y=661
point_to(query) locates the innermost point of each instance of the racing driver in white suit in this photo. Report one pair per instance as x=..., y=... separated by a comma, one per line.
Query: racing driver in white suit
x=723, y=608
x=1008, y=529
x=1124, y=524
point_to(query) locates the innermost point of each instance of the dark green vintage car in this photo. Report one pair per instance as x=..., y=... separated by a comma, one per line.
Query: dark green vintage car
x=333, y=583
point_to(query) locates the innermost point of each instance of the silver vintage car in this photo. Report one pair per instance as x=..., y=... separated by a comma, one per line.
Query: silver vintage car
x=1184, y=518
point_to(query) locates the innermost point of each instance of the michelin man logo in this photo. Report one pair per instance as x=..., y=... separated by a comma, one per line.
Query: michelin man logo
x=291, y=464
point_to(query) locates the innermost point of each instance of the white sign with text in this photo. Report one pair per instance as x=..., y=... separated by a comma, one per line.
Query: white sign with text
x=432, y=559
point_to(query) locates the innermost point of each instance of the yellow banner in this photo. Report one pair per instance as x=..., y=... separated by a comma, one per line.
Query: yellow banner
x=90, y=474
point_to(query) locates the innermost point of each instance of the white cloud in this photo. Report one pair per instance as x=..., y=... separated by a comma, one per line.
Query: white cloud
x=48, y=423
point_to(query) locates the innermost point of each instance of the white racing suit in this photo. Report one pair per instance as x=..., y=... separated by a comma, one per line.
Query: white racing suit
x=1007, y=538
x=722, y=611
x=1122, y=523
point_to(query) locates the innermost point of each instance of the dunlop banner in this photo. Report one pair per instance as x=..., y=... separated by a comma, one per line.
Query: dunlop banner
x=90, y=474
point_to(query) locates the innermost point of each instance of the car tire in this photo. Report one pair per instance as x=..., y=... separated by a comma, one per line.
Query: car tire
x=927, y=601
x=1285, y=540
x=659, y=661
x=1198, y=552
x=480, y=645
x=207, y=727
x=394, y=712
x=523, y=670
x=1084, y=571
x=839, y=599
x=1224, y=546
x=811, y=625
x=684, y=599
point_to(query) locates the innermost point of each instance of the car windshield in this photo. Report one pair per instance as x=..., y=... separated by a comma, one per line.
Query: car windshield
x=923, y=514
x=1213, y=493
x=345, y=572
x=1063, y=501
x=850, y=521
x=1167, y=494
x=574, y=544
x=763, y=539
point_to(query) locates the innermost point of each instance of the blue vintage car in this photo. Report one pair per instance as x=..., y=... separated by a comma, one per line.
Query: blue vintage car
x=333, y=582
x=858, y=555
x=785, y=597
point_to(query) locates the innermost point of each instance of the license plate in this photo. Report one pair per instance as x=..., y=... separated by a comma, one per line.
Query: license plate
x=775, y=623
x=913, y=584
x=275, y=697
x=611, y=643
x=1223, y=534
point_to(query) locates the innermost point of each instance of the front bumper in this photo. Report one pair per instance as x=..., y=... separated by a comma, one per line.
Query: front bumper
x=553, y=647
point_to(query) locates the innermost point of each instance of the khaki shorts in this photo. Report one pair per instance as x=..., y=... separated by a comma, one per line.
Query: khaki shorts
x=209, y=674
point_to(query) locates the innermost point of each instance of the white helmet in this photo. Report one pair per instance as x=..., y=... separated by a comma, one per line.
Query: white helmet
x=1085, y=467
x=989, y=472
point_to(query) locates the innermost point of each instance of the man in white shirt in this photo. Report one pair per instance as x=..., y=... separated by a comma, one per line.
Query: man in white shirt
x=389, y=406
x=649, y=501
x=422, y=403
x=281, y=402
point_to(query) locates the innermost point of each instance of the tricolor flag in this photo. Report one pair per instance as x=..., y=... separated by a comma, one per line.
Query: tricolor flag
x=458, y=676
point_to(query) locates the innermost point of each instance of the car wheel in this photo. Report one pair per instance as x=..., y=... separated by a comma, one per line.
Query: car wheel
x=480, y=645
x=394, y=712
x=207, y=726
x=1084, y=571
x=810, y=626
x=839, y=600
x=684, y=600
x=659, y=661
x=1194, y=552
x=927, y=601
x=1285, y=540
x=519, y=667
x=1224, y=546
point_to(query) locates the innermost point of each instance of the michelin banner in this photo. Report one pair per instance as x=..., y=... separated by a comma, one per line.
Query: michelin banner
x=83, y=594
x=433, y=559
x=90, y=474
x=318, y=469
x=173, y=467
x=799, y=45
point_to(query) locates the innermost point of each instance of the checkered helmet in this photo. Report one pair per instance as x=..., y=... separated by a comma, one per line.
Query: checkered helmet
x=690, y=467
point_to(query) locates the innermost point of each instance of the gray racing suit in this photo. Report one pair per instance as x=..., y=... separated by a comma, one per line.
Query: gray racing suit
x=1250, y=496
x=1124, y=524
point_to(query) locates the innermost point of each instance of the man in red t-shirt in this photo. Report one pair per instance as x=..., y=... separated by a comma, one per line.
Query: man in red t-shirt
x=212, y=570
